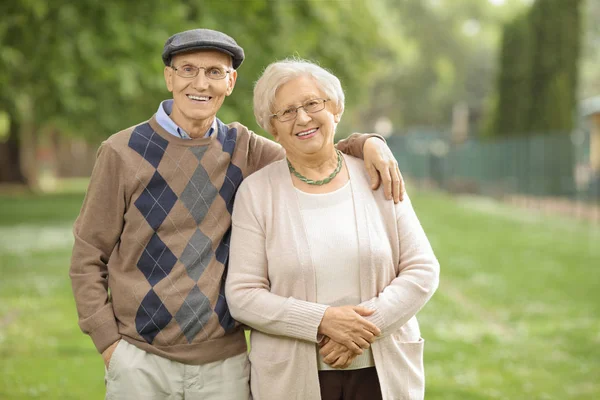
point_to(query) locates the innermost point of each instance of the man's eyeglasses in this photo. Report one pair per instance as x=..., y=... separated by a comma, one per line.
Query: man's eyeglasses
x=309, y=106
x=191, y=71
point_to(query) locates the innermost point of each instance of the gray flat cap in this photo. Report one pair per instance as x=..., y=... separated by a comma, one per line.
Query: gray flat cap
x=198, y=39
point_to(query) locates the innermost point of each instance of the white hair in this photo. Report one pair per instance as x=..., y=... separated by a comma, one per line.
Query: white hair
x=281, y=72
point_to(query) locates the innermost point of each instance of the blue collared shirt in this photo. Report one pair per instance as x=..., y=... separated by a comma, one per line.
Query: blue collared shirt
x=162, y=117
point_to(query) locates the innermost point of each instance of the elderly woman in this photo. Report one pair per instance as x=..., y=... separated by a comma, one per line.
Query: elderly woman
x=326, y=272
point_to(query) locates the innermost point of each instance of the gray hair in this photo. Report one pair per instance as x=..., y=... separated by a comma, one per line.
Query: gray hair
x=281, y=72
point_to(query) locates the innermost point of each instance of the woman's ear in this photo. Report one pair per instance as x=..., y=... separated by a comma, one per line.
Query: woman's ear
x=274, y=133
x=275, y=136
x=337, y=111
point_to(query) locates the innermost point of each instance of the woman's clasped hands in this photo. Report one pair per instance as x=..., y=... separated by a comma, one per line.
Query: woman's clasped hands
x=346, y=333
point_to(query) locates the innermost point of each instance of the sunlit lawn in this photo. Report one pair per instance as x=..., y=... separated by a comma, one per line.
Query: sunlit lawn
x=43, y=354
x=516, y=315
x=517, y=312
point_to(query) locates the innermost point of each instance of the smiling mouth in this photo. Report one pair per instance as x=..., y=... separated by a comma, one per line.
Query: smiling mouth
x=202, y=99
x=306, y=134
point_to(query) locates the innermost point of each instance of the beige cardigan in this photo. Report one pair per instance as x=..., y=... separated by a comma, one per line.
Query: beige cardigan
x=271, y=285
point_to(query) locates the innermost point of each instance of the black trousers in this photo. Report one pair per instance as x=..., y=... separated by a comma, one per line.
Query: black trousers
x=357, y=384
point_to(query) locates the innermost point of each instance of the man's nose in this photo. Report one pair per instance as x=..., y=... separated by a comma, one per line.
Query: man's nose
x=201, y=81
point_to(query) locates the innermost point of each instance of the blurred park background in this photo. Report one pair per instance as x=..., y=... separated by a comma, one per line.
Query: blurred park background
x=492, y=108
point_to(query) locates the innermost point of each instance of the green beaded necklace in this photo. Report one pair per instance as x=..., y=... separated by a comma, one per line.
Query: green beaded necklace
x=323, y=181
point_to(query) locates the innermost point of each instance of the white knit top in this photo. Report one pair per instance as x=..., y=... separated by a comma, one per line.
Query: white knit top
x=334, y=253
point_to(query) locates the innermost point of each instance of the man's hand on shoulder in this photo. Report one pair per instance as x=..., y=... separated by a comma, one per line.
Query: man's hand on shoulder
x=383, y=169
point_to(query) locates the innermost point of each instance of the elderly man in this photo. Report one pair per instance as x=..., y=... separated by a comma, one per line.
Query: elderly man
x=152, y=239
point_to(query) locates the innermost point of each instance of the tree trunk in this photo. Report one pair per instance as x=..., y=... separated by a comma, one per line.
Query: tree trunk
x=10, y=160
x=28, y=156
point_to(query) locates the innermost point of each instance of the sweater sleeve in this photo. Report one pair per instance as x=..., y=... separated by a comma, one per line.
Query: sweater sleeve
x=248, y=290
x=263, y=151
x=417, y=279
x=353, y=145
x=96, y=232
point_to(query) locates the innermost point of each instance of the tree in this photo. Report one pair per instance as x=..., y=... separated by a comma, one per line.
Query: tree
x=77, y=67
x=589, y=82
x=537, y=82
x=557, y=42
x=90, y=68
x=344, y=36
x=445, y=54
x=514, y=81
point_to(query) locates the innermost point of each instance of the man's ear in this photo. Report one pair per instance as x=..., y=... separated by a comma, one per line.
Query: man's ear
x=231, y=81
x=169, y=78
x=337, y=117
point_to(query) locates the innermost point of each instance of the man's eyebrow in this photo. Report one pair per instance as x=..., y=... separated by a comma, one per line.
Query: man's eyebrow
x=181, y=63
x=221, y=66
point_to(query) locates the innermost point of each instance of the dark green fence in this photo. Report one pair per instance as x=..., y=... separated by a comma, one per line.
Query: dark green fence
x=545, y=165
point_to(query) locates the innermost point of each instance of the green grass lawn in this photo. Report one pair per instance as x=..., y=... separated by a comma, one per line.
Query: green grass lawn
x=516, y=315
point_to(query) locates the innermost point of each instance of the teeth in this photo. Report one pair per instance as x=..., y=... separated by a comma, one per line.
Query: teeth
x=199, y=98
x=306, y=133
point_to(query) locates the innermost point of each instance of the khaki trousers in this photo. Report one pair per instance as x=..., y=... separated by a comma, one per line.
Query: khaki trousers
x=135, y=374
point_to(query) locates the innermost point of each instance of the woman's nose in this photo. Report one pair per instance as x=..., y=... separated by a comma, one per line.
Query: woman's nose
x=302, y=116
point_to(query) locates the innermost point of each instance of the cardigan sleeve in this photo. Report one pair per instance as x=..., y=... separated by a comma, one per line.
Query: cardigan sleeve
x=96, y=232
x=247, y=288
x=417, y=279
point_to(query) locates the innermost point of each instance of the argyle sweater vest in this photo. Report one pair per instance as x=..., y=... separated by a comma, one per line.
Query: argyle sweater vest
x=155, y=228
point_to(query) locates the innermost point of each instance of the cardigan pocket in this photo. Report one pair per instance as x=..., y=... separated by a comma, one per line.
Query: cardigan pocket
x=272, y=380
x=271, y=366
x=414, y=351
x=413, y=355
x=270, y=348
x=404, y=367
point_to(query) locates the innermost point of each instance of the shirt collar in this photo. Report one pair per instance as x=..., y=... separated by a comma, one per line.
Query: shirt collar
x=162, y=117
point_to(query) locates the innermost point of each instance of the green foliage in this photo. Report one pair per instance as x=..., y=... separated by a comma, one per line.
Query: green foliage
x=557, y=38
x=513, y=107
x=91, y=68
x=589, y=84
x=444, y=56
x=538, y=78
x=83, y=67
x=539, y=69
x=4, y=125
x=321, y=31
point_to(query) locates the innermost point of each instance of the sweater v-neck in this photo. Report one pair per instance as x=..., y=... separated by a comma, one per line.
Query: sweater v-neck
x=172, y=139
